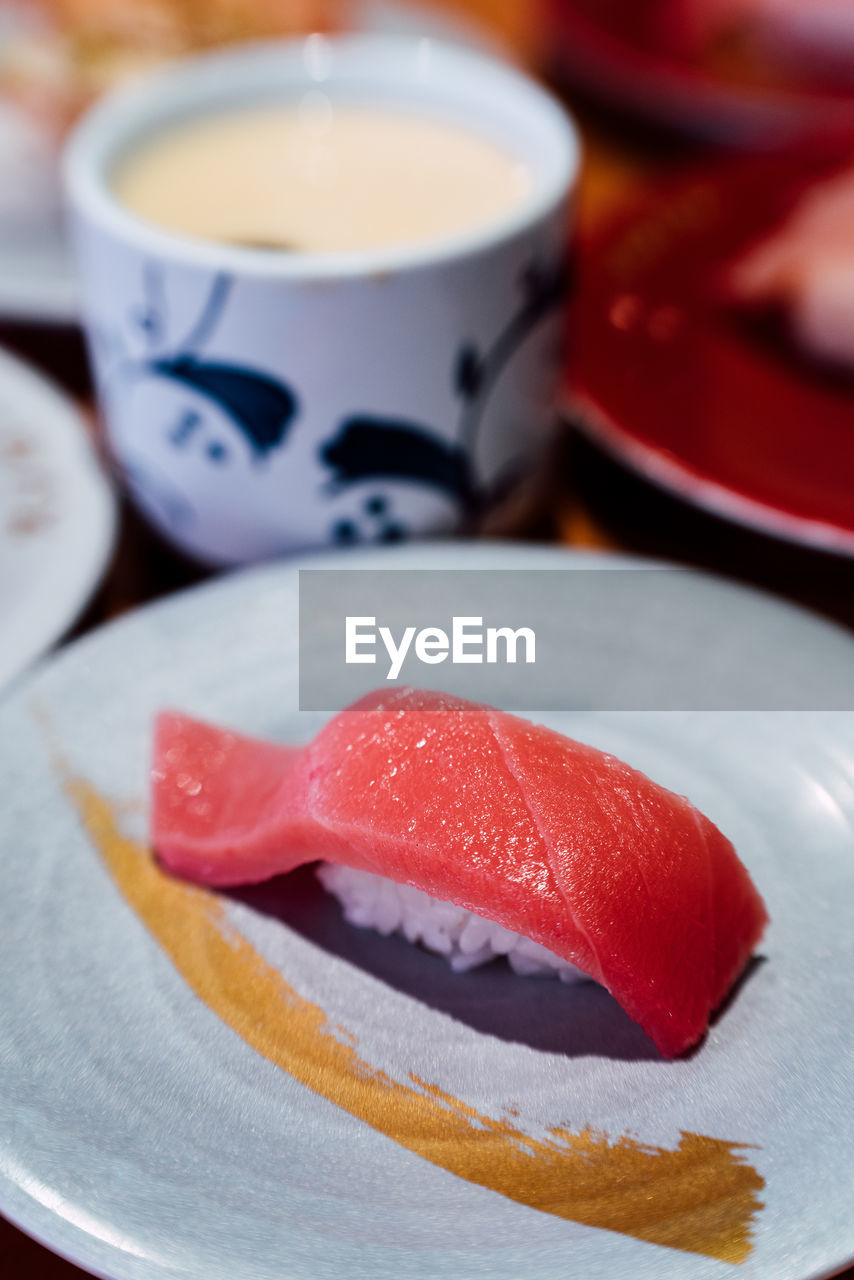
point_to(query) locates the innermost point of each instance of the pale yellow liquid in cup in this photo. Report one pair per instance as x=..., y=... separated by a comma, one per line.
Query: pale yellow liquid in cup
x=314, y=177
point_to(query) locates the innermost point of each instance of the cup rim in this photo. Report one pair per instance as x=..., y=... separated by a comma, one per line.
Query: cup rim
x=120, y=118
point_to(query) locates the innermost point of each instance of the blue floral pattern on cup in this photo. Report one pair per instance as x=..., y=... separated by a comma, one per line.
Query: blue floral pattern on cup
x=224, y=414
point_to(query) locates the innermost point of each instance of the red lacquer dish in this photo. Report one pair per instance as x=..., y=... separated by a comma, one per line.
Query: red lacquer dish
x=714, y=402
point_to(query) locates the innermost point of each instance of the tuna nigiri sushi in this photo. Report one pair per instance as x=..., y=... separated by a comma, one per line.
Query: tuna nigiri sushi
x=560, y=845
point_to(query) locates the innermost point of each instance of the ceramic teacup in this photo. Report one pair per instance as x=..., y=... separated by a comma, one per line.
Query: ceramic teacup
x=259, y=402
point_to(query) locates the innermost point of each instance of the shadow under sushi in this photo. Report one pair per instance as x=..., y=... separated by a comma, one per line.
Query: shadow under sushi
x=752, y=967
x=577, y=1020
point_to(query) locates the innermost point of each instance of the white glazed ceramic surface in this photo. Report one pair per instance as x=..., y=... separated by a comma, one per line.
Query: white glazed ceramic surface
x=260, y=402
x=143, y=1137
x=57, y=516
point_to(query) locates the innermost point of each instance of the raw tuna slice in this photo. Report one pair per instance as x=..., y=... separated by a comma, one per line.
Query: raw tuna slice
x=550, y=838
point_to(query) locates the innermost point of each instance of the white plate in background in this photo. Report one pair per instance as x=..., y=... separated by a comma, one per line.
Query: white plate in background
x=57, y=516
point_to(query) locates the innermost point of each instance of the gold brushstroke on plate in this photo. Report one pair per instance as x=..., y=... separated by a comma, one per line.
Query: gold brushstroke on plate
x=700, y=1197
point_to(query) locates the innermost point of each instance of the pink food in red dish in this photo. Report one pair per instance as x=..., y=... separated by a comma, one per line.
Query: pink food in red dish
x=805, y=265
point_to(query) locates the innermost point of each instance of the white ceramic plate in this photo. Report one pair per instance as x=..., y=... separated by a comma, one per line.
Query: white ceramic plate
x=37, y=281
x=57, y=516
x=36, y=274
x=141, y=1135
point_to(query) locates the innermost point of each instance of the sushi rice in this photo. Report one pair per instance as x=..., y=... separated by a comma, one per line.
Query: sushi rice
x=465, y=939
